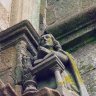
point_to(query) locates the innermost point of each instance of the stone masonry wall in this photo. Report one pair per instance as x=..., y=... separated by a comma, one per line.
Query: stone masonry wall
x=86, y=60
x=25, y=10
x=4, y=18
x=62, y=9
x=7, y=65
x=85, y=55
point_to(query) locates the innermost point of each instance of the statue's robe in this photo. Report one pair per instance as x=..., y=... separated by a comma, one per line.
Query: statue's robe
x=71, y=76
x=79, y=82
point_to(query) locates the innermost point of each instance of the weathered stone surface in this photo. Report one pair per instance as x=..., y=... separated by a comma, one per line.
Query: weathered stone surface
x=47, y=92
x=50, y=16
x=42, y=22
x=90, y=81
x=85, y=55
x=7, y=68
x=6, y=4
x=86, y=4
x=44, y=92
x=4, y=18
x=27, y=9
x=66, y=8
x=7, y=65
x=6, y=90
x=86, y=58
x=63, y=8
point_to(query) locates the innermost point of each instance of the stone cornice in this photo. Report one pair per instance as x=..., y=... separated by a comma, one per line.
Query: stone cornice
x=21, y=31
x=74, y=23
x=69, y=30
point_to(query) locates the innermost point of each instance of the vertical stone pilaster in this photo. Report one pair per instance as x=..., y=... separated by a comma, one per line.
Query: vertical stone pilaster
x=16, y=12
x=21, y=49
x=25, y=9
x=21, y=53
x=43, y=9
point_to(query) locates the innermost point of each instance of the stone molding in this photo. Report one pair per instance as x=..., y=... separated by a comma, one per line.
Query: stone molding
x=21, y=31
x=79, y=27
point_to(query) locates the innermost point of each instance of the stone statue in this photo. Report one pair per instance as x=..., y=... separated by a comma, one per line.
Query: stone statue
x=50, y=45
x=69, y=82
x=50, y=58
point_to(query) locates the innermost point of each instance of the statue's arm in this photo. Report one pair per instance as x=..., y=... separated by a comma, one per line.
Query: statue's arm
x=43, y=49
x=56, y=44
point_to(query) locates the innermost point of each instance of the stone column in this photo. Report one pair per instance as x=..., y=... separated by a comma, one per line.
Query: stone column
x=25, y=9
x=60, y=85
x=22, y=68
x=20, y=53
x=21, y=50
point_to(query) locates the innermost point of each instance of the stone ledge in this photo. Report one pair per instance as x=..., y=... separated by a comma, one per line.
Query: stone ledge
x=21, y=31
x=76, y=29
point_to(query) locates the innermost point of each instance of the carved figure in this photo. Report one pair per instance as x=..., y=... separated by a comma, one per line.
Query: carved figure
x=71, y=79
x=68, y=79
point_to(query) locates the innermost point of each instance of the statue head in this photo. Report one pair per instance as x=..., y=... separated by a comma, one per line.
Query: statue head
x=47, y=40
